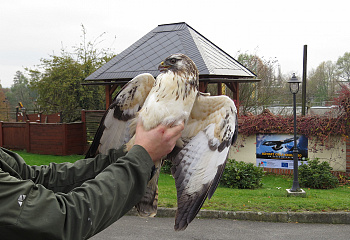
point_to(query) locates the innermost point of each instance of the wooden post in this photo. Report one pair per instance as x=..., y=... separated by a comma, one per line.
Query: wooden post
x=83, y=119
x=108, y=96
x=65, y=138
x=203, y=87
x=27, y=136
x=1, y=135
x=113, y=88
x=234, y=87
x=219, y=88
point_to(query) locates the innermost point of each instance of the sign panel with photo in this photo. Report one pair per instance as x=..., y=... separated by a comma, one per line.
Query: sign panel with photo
x=276, y=150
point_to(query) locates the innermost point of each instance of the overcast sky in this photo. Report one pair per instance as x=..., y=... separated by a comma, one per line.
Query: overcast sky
x=31, y=30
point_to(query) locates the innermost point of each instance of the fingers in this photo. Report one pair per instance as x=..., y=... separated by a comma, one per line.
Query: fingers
x=174, y=129
x=177, y=129
x=158, y=141
x=173, y=133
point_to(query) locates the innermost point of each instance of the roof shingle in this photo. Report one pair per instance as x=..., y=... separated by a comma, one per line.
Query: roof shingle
x=145, y=55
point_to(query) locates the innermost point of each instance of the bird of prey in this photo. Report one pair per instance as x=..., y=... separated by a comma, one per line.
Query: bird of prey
x=200, y=154
x=277, y=145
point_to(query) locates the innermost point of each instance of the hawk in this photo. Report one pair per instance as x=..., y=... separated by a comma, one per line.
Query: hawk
x=277, y=145
x=200, y=154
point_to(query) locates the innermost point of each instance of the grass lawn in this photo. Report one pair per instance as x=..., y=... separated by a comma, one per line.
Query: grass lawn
x=38, y=159
x=272, y=197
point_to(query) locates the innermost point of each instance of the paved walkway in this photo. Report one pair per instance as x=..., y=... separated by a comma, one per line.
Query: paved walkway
x=134, y=227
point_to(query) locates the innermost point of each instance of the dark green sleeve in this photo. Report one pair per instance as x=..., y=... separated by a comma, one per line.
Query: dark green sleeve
x=30, y=211
x=58, y=177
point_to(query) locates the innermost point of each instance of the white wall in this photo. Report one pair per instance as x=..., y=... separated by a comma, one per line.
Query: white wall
x=336, y=155
x=245, y=150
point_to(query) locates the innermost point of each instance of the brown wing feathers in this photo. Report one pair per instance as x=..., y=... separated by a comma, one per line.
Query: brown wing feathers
x=208, y=135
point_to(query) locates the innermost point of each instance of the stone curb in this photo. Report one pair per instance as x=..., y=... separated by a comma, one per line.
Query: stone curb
x=285, y=217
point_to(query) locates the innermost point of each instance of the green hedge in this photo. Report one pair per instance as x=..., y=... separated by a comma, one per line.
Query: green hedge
x=236, y=175
x=316, y=174
x=242, y=175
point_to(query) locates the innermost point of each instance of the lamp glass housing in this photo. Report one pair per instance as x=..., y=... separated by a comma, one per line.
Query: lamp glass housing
x=294, y=84
x=294, y=87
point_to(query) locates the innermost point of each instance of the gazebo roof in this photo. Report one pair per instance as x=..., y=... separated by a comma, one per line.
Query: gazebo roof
x=145, y=55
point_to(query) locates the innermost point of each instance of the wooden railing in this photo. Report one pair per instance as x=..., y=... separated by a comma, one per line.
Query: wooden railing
x=44, y=138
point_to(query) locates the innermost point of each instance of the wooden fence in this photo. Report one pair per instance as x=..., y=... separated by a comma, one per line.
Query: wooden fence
x=39, y=117
x=51, y=138
x=44, y=138
x=91, y=119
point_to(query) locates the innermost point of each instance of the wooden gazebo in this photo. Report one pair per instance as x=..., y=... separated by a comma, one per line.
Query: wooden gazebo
x=215, y=66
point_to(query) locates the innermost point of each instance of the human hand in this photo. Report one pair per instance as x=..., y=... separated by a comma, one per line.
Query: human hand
x=158, y=141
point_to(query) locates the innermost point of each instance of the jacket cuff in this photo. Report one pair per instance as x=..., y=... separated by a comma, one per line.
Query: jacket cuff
x=138, y=149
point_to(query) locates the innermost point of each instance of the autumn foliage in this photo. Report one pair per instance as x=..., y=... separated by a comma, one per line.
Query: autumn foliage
x=316, y=127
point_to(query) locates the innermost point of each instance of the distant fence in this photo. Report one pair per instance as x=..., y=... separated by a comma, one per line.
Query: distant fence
x=44, y=138
x=39, y=117
x=92, y=119
x=34, y=136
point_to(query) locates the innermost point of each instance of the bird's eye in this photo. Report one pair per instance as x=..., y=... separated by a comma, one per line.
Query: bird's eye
x=172, y=60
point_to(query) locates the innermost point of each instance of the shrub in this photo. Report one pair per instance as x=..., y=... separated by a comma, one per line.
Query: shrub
x=343, y=180
x=242, y=175
x=316, y=174
x=166, y=167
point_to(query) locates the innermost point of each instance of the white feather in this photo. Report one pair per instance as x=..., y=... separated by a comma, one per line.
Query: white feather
x=165, y=104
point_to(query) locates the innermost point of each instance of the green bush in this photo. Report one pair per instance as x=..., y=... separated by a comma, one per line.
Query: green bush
x=242, y=175
x=316, y=174
x=166, y=167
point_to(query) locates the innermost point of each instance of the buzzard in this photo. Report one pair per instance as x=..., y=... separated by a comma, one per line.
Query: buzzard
x=200, y=154
x=277, y=145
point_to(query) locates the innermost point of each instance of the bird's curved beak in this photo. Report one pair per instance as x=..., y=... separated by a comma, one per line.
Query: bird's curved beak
x=163, y=67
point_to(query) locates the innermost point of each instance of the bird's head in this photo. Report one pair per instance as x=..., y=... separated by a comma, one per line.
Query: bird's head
x=179, y=64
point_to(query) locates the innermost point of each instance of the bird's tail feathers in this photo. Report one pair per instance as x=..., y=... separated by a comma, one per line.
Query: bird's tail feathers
x=147, y=207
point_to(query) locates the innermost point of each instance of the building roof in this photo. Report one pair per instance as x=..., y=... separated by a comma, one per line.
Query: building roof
x=145, y=55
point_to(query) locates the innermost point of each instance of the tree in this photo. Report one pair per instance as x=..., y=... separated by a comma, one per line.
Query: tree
x=343, y=65
x=4, y=107
x=322, y=82
x=20, y=91
x=59, y=82
x=343, y=101
x=332, y=76
x=263, y=93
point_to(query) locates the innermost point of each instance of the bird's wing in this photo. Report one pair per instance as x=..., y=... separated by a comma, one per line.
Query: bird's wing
x=114, y=129
x=198, y=166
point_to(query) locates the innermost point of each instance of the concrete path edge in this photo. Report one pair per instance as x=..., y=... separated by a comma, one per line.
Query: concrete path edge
x=286, y=217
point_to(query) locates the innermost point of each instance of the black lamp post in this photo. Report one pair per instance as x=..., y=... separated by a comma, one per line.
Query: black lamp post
x=294, y=88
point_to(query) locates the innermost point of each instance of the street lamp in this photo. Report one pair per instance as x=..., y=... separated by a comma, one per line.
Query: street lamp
x=294, y=88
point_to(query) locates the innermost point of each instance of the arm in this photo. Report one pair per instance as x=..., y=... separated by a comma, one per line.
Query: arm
x=64, y=177
x=30, y=211
x=80, y=213
x=61, y=177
